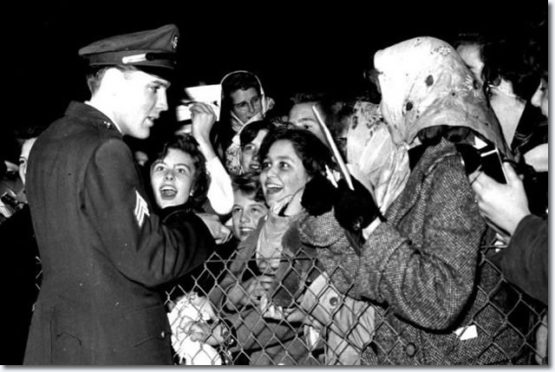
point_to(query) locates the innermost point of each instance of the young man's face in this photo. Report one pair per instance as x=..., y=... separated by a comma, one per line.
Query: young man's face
x=141, y=98
x=302, y=116
x=246, y=104
x=245, y=214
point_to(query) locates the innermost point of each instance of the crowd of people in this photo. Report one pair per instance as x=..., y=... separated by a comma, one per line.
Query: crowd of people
x=404, y=227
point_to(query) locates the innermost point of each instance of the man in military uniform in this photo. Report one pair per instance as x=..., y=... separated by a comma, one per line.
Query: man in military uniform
x=103, y=249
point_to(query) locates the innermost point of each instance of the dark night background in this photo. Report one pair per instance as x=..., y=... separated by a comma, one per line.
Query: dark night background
x=290, y=47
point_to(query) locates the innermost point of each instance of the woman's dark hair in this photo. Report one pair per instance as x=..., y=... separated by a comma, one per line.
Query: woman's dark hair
x=249, y=184
x=201, y=180
x=250, y=131
x=521, y=60
x=313, y=153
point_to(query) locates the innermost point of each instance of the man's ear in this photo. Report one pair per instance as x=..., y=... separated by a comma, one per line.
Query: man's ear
x=112, y=81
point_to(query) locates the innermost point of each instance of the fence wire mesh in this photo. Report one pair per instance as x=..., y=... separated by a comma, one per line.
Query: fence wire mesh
x=303, y=320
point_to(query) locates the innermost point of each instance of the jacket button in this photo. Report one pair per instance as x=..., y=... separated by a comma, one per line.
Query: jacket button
x=163, y=334
x=333, y=301
x=410, y=349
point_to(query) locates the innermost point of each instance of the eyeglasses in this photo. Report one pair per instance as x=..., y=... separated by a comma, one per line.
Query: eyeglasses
x=244, y=106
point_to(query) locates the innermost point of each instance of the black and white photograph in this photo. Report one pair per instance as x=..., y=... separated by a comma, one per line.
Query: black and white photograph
x=275, y=184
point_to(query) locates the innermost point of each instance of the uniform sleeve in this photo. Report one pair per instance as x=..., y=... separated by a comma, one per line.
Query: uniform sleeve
x=525, y=261
x=427, y=283
x=138, y=244
x=220, y=192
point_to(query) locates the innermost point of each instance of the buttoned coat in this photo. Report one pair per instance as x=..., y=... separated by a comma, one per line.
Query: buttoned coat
x=103, y=250
x=437, y=301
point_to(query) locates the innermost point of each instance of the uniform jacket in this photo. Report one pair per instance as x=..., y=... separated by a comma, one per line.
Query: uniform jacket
x=421, y=268
x=103, y=250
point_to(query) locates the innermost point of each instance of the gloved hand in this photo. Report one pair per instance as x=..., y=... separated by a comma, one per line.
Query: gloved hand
x=354, y=209
x=319, y=196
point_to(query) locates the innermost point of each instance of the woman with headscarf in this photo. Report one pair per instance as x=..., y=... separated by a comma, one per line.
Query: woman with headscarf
x=437, y=302
x=243, y=102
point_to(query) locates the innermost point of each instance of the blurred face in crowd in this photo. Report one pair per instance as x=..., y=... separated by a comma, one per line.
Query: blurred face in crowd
x=172, y=178
x=541, y=97
x=302, y=116
x=508, y=107
x=24, y=157
x=249, y=152
x=246, y=213
x=283, y=173
x=246, y=104
x=138, y=98
x=470, y=53
x=141, y=157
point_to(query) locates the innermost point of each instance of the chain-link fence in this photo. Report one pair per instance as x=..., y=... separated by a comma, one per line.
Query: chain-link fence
x=303, y=320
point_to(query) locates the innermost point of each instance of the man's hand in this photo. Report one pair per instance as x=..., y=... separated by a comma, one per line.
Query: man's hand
x=219, y=231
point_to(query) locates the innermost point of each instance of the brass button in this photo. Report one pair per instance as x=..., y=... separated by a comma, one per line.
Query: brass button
x=163, y=334
x=410, y=349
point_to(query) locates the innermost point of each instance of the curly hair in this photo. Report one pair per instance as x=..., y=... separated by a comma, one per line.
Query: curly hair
x=201, y=181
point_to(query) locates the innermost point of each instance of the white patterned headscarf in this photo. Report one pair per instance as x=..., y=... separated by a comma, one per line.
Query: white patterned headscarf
x=424, y=83
x=372, y=157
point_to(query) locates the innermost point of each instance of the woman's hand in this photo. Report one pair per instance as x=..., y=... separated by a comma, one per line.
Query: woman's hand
x=503, y=204
x=203, y=118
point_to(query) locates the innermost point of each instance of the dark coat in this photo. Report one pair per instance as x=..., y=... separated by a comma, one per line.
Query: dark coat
x=422, y=269
x=525, y=261
x=20, y=263
x=103, y=250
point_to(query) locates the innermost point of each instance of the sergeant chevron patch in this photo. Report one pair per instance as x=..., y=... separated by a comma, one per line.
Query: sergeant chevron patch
x=141, y=209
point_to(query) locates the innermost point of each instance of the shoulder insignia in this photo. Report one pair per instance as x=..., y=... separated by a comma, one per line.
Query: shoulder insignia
x=141, y=209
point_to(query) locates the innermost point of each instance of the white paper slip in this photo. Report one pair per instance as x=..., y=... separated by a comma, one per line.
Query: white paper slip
x=467, y=332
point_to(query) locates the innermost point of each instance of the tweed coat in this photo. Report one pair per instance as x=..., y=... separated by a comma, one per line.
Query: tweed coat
x=421, y=268
x=103, y=249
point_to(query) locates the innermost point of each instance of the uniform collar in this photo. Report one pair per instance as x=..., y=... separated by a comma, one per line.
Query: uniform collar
x=81, y=110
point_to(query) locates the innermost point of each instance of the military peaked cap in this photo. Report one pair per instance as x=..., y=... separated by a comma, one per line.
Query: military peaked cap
x=152, y=48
